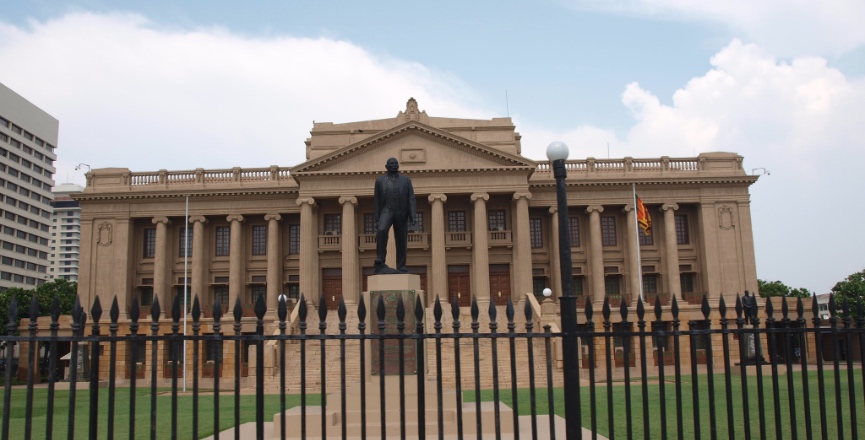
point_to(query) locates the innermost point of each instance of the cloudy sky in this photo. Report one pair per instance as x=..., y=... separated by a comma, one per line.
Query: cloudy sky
x=152, y=84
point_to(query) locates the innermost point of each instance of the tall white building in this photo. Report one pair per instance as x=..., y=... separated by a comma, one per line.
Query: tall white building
x=28, y=137
x=65, y=232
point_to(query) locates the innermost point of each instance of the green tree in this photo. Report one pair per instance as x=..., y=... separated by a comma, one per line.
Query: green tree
x=850, y=291
x=777, y=288
x=45, y=293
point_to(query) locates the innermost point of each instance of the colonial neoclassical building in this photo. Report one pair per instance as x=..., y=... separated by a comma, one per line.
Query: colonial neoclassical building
x=488, y=223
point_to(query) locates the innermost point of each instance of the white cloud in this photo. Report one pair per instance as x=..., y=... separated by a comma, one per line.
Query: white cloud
x=800, y=119
x=131, y=94
x=785, y=27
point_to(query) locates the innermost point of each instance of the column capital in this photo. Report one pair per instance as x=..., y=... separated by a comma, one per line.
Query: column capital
x=308, y=200
x=669, y=206
x=592, y=208
x=275, y=217
x=628, y=208
x=348, y=199
x=197, y=219
x=433, y=197
x=234, y=218
x=477, y=196
x=553, y=210
x=158, y=220
x=521, y=195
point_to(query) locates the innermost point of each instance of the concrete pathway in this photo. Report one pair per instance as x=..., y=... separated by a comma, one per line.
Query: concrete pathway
x=247, y=431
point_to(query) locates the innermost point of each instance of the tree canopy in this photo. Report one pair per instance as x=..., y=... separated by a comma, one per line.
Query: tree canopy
x=63, y=289
x=777, y=288
x=850, y=292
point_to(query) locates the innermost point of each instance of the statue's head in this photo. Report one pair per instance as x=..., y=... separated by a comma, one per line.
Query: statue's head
x=392, y=165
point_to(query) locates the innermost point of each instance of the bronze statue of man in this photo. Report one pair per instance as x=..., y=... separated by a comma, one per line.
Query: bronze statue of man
x=395, y=206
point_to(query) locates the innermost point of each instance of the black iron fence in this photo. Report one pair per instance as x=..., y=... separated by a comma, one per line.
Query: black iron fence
x=736, y=372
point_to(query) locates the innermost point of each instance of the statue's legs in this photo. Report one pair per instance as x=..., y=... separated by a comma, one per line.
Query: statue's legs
x=400, y=235
x=385, y=220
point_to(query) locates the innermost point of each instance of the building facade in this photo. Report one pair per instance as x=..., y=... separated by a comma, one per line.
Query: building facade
x=65, y=232
x=488, y=224
x=28, y=138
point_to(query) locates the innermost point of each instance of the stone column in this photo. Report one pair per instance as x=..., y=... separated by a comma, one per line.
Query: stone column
x=555, y=261
x=439, y=268
x=480, y=249
x=199, y=262
x=122, y=234
x=235, y=262
x=522, y=245
x=634, y=270
x=596, y=254
x=274, y=263
x=161, y=282
x=309, y=279
x=350, y=260
x=671, y=248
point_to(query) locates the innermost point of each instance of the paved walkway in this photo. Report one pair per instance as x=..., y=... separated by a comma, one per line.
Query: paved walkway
x=247, y=431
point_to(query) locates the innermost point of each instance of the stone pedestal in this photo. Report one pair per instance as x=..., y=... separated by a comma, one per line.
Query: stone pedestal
x=390, y=288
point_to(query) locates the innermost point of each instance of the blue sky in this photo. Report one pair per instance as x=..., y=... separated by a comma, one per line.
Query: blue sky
x=781, y=82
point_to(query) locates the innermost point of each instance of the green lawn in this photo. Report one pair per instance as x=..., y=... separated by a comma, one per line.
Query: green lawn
x=620, y=419
x=142, y=409
x=636, y=419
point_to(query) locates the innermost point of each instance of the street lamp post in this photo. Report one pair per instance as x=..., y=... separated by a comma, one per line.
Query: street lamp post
x=557, y=153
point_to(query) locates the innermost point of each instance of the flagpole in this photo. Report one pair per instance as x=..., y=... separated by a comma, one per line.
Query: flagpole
x=185, y=283
x=637, y=238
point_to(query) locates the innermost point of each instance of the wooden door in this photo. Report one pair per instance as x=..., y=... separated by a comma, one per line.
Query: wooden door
x=500, y=283
x=459, y=282
x=331, y=287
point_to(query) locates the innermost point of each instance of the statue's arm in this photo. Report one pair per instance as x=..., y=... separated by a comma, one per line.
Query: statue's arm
x=376, y=199
x=412, y=203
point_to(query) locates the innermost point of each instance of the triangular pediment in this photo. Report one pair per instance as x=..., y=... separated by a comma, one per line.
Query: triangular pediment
x=418, y=147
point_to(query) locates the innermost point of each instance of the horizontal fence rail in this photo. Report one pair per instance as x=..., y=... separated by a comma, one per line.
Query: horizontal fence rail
x=736, y=372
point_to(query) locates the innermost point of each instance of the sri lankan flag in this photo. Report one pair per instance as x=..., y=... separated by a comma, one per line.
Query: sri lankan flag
x=643, y=217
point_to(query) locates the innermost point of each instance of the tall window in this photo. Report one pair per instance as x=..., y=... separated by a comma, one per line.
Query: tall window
x=456, y=221
x=577, y=286
x=538, y=285
x=496, y=220
x=223, y=240
x=536, y=233
x=646, y=240
x=574, y=231
x=185, y=242
x=333, y=224
x=419, y=221
x=221, y=293
x=608, y=230
x=612, y=285
x=650, y=283
x=369, y=223
x=687, y=282
x=145, y=296
x=682, y=233
x=149, y=243
x=258, y=291
x=259, y=240
x=294, y=239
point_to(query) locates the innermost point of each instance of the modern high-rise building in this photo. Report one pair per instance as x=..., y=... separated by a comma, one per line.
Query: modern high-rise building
x=65, y=232
x=28, y=137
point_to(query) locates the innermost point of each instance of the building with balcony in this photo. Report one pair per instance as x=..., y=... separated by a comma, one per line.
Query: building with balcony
x=28, y=137
x=65, y=232
x=487, y=228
